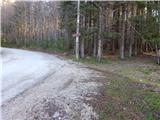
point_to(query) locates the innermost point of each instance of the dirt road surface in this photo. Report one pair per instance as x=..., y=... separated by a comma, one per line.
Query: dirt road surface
x=39, y=86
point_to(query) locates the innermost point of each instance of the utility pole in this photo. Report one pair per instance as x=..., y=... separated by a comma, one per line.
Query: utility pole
x=77, y=30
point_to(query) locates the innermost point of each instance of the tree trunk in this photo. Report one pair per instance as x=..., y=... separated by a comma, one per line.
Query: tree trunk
x=77, y=30
x=94, y=47
x=157, y=55
x=82, y=41
x=129, y=32
x=122, y=13
x=94, y=42
x=130, y=50
x=99, y=52
x=113, y=46
x=136, y=48
x=158, y=49
x=82, y=48
x=66, y=33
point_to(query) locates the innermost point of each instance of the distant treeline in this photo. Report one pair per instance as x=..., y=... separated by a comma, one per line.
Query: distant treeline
x=32, y=23
x=126, y=28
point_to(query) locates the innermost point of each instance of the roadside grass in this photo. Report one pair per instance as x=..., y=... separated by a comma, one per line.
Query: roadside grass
x=143, y=75
x=48, y=47
x=129, y=101
x=91, y=60
x=146, y=71
x=129, y=91
x=55, y=49
x=57, y=46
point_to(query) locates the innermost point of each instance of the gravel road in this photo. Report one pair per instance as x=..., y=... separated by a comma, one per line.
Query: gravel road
x=40, y=86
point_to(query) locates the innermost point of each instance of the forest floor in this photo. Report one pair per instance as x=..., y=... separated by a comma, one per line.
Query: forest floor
x=131, y=88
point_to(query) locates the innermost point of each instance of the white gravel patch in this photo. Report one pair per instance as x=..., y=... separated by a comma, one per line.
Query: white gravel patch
x=60, y=96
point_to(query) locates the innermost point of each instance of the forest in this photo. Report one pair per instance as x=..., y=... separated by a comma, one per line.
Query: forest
x=126, y=29
x=119, y=41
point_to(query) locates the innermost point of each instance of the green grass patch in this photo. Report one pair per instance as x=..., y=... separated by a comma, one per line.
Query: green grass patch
x=127, y=95
x=55, y=49
x=153, y=100
x=48, y=46
x=149, y=116
x=145, y=71
x=108, y=110
x=91, y=60
x=139, y=74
